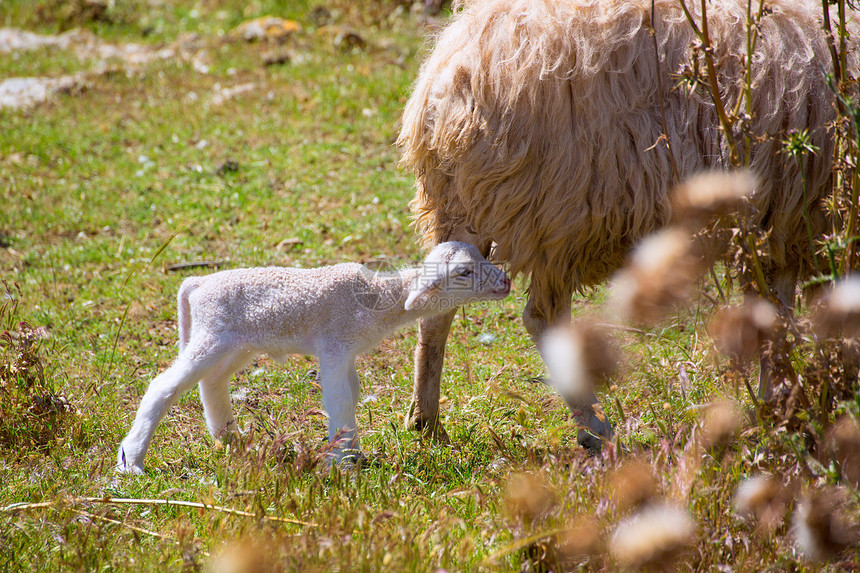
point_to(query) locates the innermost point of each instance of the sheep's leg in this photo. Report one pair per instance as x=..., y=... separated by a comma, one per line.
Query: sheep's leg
x=215, y=394
x=784, y=284
x=162, y=393
x=430, y=356
x=340, y=390
x=594, y=426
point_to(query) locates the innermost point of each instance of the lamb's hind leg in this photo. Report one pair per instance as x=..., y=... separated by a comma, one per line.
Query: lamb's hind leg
x=215, y=394
x=430, y=356
x=162, y=393
x=594, y=426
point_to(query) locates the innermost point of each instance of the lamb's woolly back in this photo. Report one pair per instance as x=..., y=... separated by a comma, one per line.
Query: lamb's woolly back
x=534, y=122
x=290, y=310
x=281, y=311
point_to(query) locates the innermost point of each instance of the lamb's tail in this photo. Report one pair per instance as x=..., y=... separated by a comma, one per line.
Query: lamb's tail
x=188, y=286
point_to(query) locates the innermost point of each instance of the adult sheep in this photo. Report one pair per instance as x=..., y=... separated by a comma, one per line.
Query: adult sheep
x=535, y=125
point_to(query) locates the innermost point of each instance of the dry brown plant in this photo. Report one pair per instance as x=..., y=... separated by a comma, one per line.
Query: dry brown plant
x=764, y=500
x=821, y=526
x=633, y=485
x=740, y=331
x=711, y=195
x=843, y=445
x=528, y=498
x=579, y=358
x=654, y=538
x=660, y=276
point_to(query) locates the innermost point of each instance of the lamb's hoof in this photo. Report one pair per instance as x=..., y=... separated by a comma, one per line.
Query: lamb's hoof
x=353, y=459
x=430, y=428
x=126, y=464
x=230, y=432
x=347, y=459
x=128, y=470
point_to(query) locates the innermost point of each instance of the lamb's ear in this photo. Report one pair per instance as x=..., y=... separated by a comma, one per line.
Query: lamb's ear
x=421, y=293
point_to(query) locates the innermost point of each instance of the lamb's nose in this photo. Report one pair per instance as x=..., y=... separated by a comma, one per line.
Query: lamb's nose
x=506, y=282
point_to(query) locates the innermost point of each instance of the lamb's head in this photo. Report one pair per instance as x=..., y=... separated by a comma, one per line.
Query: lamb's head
x=455, y=274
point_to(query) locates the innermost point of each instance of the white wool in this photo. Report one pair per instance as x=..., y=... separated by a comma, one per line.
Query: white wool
x=335, y=313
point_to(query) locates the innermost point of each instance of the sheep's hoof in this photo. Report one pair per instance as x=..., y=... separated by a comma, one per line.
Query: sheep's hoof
x=592, y=444
x=594, y=427
x=430, y=428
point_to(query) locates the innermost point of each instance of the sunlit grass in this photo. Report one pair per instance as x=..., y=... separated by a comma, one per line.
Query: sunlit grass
x=104, y=188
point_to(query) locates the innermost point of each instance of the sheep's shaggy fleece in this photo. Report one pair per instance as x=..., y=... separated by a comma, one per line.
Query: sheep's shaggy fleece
x=536, y=124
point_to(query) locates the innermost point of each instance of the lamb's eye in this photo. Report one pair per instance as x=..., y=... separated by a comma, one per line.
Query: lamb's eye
x=466, y=272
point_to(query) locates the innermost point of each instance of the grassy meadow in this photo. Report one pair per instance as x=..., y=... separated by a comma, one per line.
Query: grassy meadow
x=280, y=151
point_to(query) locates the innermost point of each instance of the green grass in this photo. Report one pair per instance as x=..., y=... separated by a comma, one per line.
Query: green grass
x=102, y=188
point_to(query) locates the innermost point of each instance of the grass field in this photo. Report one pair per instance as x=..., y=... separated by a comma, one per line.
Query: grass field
x=282, y=152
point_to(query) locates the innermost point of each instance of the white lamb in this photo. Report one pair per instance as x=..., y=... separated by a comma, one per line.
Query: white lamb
x=335, y=313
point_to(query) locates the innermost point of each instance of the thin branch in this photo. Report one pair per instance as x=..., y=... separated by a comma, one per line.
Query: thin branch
x=134, y=501
x=194, y=265
x=852, y=223
x=757, y=270
x=653, y=31
x=843, y=57
x=705, y=39
x=717, y=284
x=690, y=20
x=715, y=90
x=521, y=544
x=831, y=45
x=752, y=38
x=149, y=532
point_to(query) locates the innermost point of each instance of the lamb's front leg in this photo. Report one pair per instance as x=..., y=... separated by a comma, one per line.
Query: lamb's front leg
x=340, y=390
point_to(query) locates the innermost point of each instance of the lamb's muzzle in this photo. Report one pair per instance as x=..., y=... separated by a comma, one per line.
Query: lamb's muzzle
x=335, y=313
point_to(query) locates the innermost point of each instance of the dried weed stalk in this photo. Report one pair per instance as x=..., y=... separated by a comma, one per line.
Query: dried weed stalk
x=764, y=501
x=31, y=413
x=821, y=525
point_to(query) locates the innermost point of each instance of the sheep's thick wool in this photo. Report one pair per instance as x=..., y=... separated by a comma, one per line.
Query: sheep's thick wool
x=536, y=124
